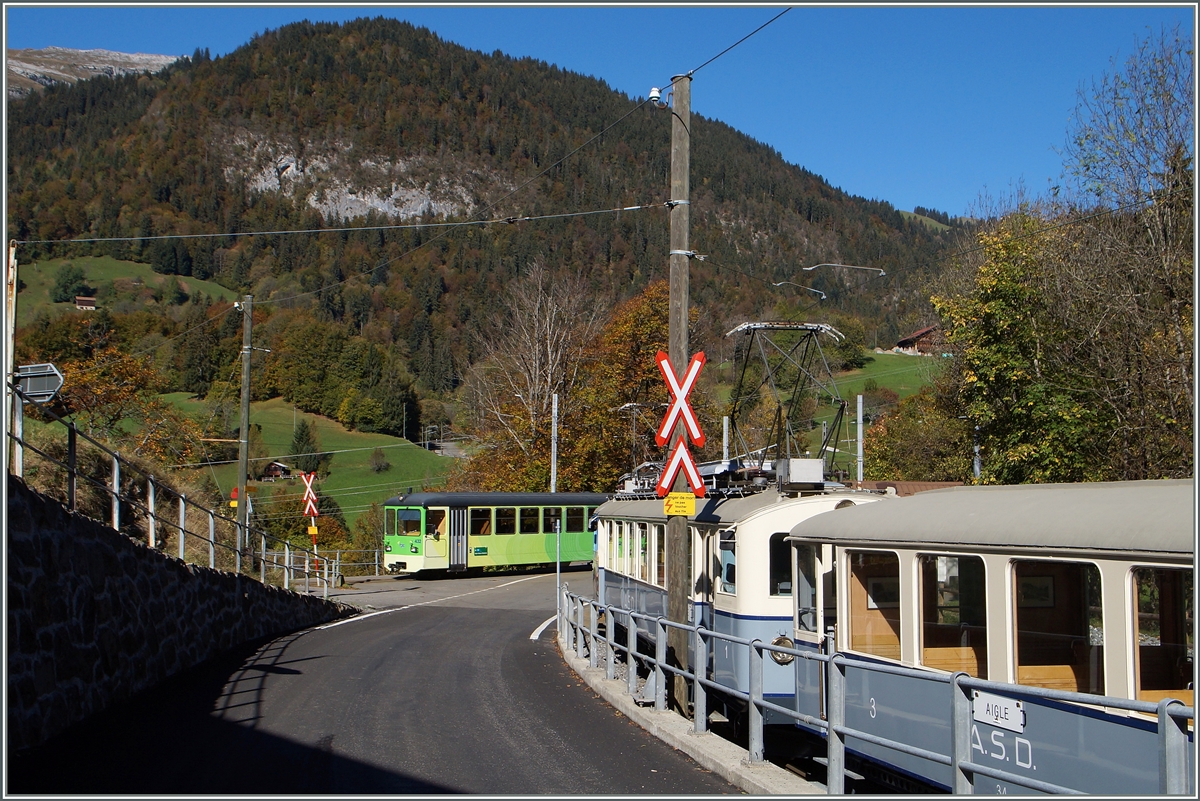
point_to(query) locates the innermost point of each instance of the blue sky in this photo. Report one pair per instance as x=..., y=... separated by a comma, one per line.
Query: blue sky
x=915, y=105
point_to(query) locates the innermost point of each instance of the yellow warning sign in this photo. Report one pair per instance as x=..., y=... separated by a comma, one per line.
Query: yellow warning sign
x=679, y=503
x=312, y=531
x=233, y=504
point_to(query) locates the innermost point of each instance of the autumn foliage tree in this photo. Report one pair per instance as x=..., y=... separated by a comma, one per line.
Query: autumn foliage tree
x=112, y=396
x=1072, y=320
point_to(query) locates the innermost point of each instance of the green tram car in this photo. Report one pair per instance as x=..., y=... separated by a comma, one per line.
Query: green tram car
x=456, y=531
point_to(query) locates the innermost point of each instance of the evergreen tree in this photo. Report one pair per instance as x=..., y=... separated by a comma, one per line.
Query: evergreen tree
x=306, y=448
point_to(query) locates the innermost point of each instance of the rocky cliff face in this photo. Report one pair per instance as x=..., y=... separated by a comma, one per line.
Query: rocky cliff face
x=31, y=70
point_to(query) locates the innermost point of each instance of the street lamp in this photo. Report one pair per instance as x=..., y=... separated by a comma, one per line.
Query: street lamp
x=809, y=288
x=851, y=266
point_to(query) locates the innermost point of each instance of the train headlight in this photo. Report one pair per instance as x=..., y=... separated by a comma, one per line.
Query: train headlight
x=782, y=641
x=387, y=548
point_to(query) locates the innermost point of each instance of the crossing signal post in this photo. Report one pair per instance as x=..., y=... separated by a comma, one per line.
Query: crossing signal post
x=678, y=558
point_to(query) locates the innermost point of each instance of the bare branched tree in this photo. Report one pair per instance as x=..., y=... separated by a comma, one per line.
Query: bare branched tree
x=535, y=350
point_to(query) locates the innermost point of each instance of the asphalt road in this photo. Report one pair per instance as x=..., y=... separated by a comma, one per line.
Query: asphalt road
x=438, y=689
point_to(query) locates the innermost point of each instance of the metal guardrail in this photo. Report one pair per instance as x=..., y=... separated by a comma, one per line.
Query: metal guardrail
x=1173, y=716
x=311, y=565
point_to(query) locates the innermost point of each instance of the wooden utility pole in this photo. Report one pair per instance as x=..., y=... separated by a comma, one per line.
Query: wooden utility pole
x=243, y=500
x=678, y=558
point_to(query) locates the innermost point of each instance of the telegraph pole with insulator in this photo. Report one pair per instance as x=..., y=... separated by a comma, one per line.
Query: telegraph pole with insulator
x=678, y=556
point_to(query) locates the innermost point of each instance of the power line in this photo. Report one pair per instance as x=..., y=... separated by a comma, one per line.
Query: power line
x=351, y=229
x=739, y=41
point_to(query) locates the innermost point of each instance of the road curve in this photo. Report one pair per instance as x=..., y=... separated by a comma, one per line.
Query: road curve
x=438, y=689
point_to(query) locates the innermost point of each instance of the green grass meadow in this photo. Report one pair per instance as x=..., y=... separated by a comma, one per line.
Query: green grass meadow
x=351, y=481
x=38, y=278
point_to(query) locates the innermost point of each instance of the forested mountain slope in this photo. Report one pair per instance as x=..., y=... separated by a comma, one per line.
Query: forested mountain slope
x=377, y=122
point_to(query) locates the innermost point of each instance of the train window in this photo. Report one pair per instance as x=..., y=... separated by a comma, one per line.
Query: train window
x=1060, y=630
x=529, y=520
x=727, y=551
x=481, y=522
x=576, y=519
x=643, y=553
x=389, y=522
x=875, y=603
x=435, y=523
x=552, y=516
x=806, y=587
x=660, y=556
x=953, y=614
x=1165, y=617
x=408, y=522
x=506, y=520
x=780, y=565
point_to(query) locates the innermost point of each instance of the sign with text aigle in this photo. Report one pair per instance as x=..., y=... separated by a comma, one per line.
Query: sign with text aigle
x=680, y=410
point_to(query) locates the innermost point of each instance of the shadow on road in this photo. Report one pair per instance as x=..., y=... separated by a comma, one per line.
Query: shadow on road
x=195, y=734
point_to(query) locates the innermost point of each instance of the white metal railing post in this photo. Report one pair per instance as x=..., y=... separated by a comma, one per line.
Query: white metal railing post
x=151, y=524
x=116, y=490
x=835, y=779
x=960, y=735
x=610, y=662
x=182, y=523
x=699, y=694
x=326, y=565
x=562, y=628
x=756, y=693
x=212, y=539
x=377, y=562
x=262, y=562
x=631, y=645
x=660, y=659
x=1172, y=751
x=579, y=627
x=593, y=631
x=287, y=565
x=71, y=466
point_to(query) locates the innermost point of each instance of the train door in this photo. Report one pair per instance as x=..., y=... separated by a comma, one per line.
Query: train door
x=458, y=539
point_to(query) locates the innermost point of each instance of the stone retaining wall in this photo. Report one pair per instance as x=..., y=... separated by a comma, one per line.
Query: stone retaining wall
x=95, y=617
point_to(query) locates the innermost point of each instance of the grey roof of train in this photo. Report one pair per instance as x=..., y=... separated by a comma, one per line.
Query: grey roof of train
x=710, y=509
x=500, y=498
x=1142, y=516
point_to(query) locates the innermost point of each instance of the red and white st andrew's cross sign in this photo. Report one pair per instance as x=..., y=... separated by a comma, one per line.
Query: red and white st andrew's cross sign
x=680, y=457
x=310, y=496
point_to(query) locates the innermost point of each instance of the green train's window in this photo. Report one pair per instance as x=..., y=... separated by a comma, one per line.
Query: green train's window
x=530, y=522
x=506, y=520
x=552, y=516
x=389, y=522
x=435, y=520
x=481, y=522
x=408, y=522
x=576, y=520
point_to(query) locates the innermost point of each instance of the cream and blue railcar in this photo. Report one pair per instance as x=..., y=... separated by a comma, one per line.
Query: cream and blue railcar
x=1084, y=587
x=741, y=572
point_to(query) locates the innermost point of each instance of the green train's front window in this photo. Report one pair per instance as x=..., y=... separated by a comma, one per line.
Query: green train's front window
x=406, y=523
